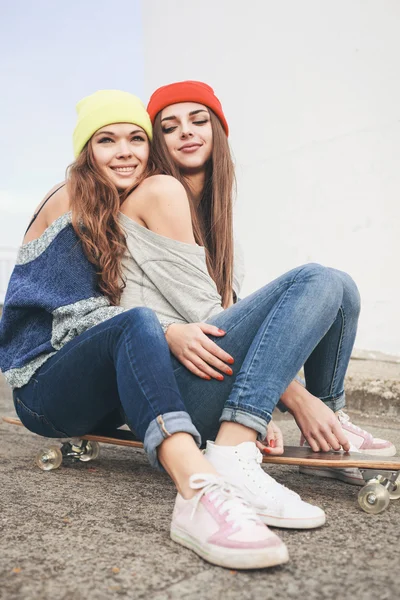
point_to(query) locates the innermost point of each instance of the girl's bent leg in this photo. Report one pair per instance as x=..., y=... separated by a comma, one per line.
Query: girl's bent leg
x=122, y=363
x=270, y=334
x=326, y=367
x=288, y=335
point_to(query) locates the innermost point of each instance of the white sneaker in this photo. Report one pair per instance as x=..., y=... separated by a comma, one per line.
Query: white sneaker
x=275, y=504
x=223, y=529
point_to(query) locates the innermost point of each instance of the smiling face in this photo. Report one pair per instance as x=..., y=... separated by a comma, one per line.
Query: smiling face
x=121, y=152
x=188, y=135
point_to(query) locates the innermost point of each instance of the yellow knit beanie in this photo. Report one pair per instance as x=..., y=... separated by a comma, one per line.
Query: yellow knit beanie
x=104, y=108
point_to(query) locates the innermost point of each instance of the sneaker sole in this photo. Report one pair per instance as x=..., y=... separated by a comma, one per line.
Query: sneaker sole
x=231, y=558
x=332, y=474
x=285, y=523
x=391, y=451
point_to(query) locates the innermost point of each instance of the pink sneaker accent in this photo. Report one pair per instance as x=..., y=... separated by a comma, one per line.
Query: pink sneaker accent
x=223, y=529
x=363, y=440
x=229, y=533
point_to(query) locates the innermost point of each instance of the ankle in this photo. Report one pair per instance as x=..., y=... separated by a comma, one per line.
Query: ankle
x=233, y=434
x=181, y=458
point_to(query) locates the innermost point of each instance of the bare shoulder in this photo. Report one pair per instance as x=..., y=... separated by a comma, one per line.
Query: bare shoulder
x=163, y=184
x=157, y=188
x=161, y=204
x=54, y=204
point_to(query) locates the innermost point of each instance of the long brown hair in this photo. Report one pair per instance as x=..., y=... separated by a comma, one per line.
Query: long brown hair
x=212, y=218
x=95, y=203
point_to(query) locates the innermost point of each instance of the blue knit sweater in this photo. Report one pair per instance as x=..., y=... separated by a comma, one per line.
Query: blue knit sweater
x=52, y=297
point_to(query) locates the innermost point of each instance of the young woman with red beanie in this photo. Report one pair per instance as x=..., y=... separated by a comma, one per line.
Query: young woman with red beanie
x=182, y=264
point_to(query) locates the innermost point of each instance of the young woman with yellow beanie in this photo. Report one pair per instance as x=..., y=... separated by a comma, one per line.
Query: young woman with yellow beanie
x=78, y=362
x=181, y=264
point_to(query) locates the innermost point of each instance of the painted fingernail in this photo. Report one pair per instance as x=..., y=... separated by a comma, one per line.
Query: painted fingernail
x=221, y=331
x=207, y=377
x=272, y=443
x=230, y=361
x=229, y=371
x=220, y=377
x=267, y=450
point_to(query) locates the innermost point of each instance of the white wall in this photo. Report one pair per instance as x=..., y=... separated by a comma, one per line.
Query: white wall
x=311, y=90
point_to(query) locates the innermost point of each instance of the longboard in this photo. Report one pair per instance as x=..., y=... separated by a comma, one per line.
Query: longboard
x=381, y=473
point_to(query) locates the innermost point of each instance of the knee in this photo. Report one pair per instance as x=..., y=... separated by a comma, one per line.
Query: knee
x=320, y=275
x=351, y=295
x=142, y=318
x=323, y=284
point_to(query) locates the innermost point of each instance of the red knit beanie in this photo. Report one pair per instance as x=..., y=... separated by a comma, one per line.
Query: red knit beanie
x=186, y=91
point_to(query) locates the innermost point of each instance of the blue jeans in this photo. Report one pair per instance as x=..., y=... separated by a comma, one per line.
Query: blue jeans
x=116, y=372
x=308, y=317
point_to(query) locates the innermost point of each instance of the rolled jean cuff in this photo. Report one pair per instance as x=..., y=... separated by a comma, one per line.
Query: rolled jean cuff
x=163, y=427
x=282, y=407
x=259, y=424
x=335, y=403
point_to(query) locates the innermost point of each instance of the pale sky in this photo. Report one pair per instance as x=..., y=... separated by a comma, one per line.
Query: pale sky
x=53, y=54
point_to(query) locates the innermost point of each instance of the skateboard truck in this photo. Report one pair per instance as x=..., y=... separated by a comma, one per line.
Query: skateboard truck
x=78, y=449
x=74, y=450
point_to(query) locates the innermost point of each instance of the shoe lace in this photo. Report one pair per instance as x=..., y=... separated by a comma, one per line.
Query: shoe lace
x=264, y=481
x=345, y=417
x=226, y=498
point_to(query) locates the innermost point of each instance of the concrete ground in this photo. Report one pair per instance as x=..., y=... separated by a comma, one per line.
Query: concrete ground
x=373, y=384
x=99, y=531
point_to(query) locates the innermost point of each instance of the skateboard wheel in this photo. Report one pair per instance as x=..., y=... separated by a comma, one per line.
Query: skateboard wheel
x=91, y=452
x=49, y=458
x=373, y=498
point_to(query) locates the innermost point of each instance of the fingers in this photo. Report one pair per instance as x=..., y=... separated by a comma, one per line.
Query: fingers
x=278, y=437
x=194, y=369
x=274, y=440
x=341, y=437
x=211, y=329
x=201, y=359
x=268, y=450
x=314, y=445
x=326, y=440
x=323, y=445
x=333, y=437
x=214, y=349
x=211, y=346
x=198, y=363
x=206, y=356
x=214, y=361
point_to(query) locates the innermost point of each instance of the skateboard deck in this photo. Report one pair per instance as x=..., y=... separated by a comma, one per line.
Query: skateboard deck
x=381, y=473
x=293, y=455
x=119, y=437
x=304, y=456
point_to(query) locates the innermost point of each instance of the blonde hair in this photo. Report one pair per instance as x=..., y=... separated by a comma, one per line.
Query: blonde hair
x=95, y=203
